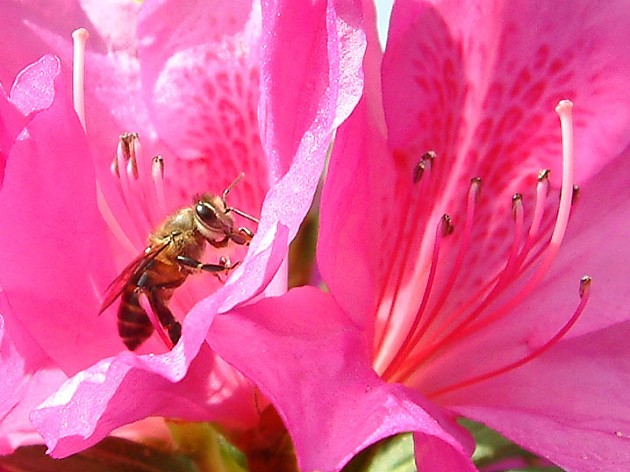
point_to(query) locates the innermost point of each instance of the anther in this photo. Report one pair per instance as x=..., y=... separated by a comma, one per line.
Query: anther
x=128, y=143
x=426, y=159
x=585, y=286
x=542, y=189
x=128, y=151
x=157, y=175
x=475, y=183
x=429, y=156
x=576, y=194
x=517, y=204
x=543, y=174
x=157, y=166
x=126, y=169
x=447, y=225
x=418, y=170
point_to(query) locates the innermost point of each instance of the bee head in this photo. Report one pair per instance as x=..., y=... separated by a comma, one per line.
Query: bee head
x=213, y=220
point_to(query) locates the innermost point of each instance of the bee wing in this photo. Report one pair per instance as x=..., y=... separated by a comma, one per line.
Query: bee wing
x=130, y=273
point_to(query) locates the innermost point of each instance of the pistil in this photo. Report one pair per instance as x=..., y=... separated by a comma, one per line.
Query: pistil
x=79, y=39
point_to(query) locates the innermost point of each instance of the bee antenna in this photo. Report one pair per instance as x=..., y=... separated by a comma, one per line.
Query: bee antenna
x=243, y=214
x=232, y=209
x=231, y=186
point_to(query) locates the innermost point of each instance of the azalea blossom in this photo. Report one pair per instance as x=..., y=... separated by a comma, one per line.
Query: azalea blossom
x=454, y=246
x=212, y=90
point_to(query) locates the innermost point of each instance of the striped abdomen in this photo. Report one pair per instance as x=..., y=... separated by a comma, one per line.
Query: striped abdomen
x=134, y=325
x=157, y=282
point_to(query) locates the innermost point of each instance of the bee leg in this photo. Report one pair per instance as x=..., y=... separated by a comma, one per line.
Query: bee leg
x=158, y=304
x=223, y=267
x=212, y=268
x=164, y=314
x=242, y=236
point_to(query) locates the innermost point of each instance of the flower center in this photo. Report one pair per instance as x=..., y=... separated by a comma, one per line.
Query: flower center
x=429, y=330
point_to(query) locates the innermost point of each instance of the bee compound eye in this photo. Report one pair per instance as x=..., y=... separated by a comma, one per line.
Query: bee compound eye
x=207, y=214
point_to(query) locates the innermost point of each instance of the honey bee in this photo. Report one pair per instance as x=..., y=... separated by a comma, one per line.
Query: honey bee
x=172, y=254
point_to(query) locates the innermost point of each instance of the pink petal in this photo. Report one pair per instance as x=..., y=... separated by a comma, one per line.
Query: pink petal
x=518, y=66
x=28, y=377
x=48, y=195
x=118, y=391
x=200, y=73
x=470, y=94
x=11, y=123
x=19, y=46
x=352, y=39
x=15, y=427
x=346, y=243
x=12, y=372
x=344, y=207
x=322, y=384
x=303, y=144
x=320, y=77
x=33, y=89
x=568, y=405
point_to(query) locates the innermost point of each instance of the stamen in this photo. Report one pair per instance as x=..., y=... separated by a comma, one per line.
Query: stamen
x=444, y=228
x=576, y=194
x=157, y=175
x=112, y=222
x=79, y=39
x=542, y=189
x=114, y=168
x=386, y=331
x=473, y=196
x=470, y=323
x=127, y=156
x=132, y=168
x=519, y=220
x=584, y=291
x=563, y=109
x=427, y=158
x=123, y=155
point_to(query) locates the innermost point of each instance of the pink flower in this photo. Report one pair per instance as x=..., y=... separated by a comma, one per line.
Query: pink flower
x=28, y=372
x=476, y=315
x=216, y=90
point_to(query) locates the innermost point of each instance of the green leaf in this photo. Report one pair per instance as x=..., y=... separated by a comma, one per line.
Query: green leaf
x=393, y=454
x=492, y=447
x=110, y=455
x=207, y=447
